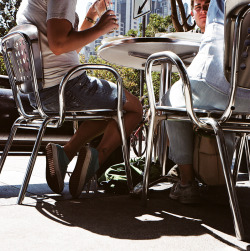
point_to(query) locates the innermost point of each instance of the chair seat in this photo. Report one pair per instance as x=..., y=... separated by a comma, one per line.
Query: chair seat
x=183, y=111
x=238, y=120
x=202, y=112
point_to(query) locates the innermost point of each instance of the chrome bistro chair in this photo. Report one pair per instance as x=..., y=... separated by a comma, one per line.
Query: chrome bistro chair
x=237, y=72
x=22, y=56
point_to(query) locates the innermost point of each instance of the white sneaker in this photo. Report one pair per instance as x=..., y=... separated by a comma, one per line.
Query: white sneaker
x=185, y=194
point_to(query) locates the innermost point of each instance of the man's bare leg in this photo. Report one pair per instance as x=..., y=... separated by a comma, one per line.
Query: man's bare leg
x=111, y=138
x=85, y=133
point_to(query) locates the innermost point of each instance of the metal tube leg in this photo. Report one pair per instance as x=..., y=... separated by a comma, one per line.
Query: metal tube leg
x=152, y=125
x=159, y=143
x=239, y=152
x=125, y=153
x=140, y=142
x=164, y=147
x=166, y=70
x=238, y=225
x=127, y=165
x=141, y=95
x=31, y=162
x=247, y=156
x=155, y=139
x=7, y=146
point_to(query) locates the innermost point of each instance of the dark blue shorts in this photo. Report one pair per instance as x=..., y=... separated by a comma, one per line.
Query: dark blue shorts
x=81, y=93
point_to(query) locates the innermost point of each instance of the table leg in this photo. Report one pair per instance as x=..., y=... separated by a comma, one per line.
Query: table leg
x=166, y=71
x=141, y=88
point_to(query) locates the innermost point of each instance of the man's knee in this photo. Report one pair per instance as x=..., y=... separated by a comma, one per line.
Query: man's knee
x=133, y=104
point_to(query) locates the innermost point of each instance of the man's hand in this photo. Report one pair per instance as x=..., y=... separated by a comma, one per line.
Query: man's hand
x=107, y=22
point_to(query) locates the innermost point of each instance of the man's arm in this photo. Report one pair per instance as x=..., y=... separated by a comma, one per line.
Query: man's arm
x=62, y=38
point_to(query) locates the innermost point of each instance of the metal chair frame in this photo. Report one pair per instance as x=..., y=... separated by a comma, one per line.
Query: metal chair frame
x=22, y=56
x=216, y=121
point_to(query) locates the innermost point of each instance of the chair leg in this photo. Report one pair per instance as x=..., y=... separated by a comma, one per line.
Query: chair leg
x=239, y=152
x=125, y=151
x=158, y=143
x=8, y=145
x=164, y=147
x=238, y=225
x=155, y=139
x=32, y=161
x=161, y=146
x=152, y=125
x=247, y=156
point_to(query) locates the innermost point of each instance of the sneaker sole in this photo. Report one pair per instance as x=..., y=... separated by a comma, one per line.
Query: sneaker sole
x=184, y=200
x=194, y=200
x=53, y=175
x=78, y=177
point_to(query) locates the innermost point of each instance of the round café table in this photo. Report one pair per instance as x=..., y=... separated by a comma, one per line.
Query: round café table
x=133, y=53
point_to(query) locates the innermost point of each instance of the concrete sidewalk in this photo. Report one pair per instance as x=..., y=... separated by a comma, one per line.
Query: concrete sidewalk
x=100, y=221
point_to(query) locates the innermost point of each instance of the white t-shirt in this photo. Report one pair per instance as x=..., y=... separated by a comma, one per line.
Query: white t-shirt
x=38, y=12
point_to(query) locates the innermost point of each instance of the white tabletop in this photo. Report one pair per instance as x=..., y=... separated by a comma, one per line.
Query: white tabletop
x=133, y=52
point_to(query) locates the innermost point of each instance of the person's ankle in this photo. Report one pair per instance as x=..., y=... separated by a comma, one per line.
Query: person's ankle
x=68, y=154
x=186, y=183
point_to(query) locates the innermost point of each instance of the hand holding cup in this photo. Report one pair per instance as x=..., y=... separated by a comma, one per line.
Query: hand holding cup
x=100, y=7
x=103, y=6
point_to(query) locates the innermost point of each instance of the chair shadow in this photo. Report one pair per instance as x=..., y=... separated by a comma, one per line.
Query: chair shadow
x=123, y=217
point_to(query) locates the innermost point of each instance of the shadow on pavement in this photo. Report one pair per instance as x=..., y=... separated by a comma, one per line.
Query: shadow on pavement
x=123, y=217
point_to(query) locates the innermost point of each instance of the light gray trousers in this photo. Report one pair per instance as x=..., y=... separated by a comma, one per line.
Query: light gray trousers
x=180, y=133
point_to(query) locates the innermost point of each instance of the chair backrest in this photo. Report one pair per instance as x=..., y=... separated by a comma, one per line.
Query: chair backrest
x=237, y=31
x=21, y=49
x=23, y=60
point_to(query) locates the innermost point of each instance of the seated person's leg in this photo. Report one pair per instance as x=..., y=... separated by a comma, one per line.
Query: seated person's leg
x=110, y=141
x=181, y=152
x=105, y=92
x=181, y=135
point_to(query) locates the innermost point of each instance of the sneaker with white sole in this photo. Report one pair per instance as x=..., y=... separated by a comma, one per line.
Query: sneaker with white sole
x=188, y=194
x=86, y=166
x=56, y=167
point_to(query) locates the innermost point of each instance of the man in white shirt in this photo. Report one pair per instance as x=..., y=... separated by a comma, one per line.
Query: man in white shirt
x=210, y=91
x=61, y=40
